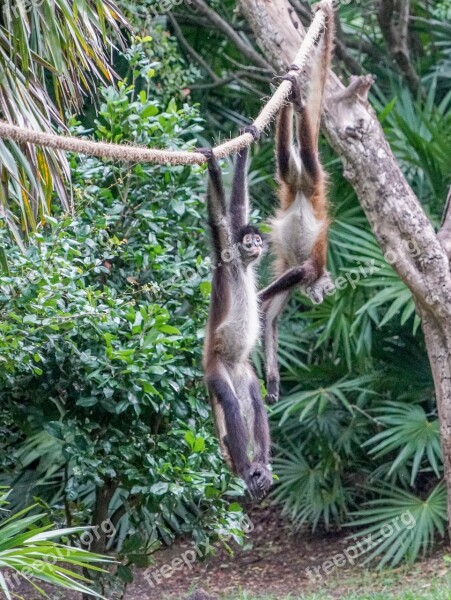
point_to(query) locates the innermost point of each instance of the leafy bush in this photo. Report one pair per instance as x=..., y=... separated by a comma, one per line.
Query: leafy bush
x=101, y=334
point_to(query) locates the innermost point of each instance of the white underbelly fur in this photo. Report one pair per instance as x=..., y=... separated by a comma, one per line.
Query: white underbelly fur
x=241, y=330
x=294, y=232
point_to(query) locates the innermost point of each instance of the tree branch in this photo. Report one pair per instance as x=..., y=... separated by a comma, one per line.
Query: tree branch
x=393, y=16
x=303, y=11
x=229, y=32
x=249, y=68
x=224, y=80
x=187, y=46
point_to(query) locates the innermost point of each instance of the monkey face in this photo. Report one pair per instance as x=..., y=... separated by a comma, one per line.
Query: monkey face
x=250, y=244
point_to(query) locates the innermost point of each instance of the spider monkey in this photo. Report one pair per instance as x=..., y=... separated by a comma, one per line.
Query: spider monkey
x=233, y=328
x=299, y=229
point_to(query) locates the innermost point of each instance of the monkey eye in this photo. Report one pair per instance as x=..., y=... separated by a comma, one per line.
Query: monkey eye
x=258, y=240
x=247, y=239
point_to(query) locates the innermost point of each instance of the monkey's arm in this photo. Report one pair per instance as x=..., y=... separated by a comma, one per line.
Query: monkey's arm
x=216, y=205
x=239, y=202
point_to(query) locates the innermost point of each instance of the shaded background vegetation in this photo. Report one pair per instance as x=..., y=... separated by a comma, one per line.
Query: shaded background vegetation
x=104, y=413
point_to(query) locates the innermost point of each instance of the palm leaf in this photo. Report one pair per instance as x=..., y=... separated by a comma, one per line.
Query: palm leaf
x=30, y=550
x=402, y=525
x=64, y=42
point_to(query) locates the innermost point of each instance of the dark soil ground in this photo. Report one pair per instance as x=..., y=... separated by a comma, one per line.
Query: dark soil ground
x=274, y=560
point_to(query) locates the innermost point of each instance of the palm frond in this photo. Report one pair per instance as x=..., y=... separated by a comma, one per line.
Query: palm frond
x=29, y=549
x=409, y=433
x=400, y=525
x=67, y=44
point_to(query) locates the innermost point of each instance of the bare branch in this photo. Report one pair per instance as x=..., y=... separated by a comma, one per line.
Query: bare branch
x=393, y=19
x=187, y=46
x=228, y=31
x=224, y=80
x=302, y=10
x=249, y=68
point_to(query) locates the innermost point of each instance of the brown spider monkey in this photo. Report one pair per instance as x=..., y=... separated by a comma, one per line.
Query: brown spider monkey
x=299, y=229
x=233, y=328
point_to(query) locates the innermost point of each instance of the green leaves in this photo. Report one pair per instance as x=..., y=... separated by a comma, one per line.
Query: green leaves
x=318, y=400
x=51, y=55
x=113, y=303
x=196, y=443
x=403, y=526
x=409, y=433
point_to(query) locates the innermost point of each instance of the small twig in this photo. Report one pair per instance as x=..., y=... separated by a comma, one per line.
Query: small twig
x=198, y=21
x=250, y=68
x=220, y=82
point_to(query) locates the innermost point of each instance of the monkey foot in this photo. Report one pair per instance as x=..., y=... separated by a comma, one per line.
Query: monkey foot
x=253, y=130
x=207, y=152
x=295, y=94
x=259, y=480
x=272, y=395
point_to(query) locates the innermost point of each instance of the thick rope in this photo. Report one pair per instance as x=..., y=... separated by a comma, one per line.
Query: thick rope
x=140, y=154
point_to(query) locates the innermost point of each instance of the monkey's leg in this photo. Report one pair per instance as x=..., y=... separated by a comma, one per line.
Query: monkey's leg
x=260, y=475
x=304, y=274
x=235, y=436
x=314, y=281
x=270, y=314
x=308, y=146
x=287, y=168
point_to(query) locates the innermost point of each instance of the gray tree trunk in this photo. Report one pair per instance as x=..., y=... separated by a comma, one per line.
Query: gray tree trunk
x=394, y=212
